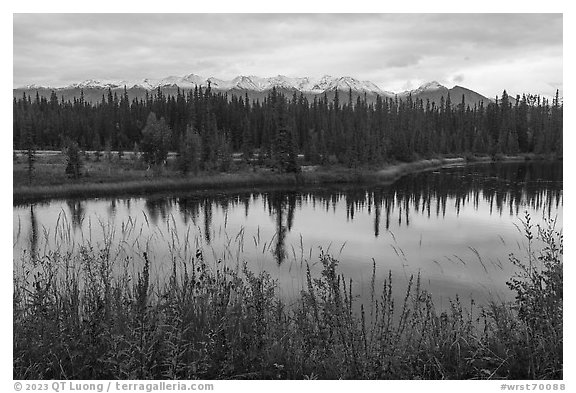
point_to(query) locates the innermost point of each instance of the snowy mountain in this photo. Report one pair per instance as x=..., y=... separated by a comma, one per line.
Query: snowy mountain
x=434, y=91
x=425, y=88
x=256, y=87
x=241, y=82
x=94, y=84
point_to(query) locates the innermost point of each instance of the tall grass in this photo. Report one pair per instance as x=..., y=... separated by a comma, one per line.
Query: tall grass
x=84, y=314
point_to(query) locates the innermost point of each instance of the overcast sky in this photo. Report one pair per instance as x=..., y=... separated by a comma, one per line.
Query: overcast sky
x=484, y=52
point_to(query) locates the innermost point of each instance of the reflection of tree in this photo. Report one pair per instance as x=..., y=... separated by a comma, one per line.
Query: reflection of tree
x=189, y=209
x=245, y=200
x=377, y=220
x=33, y=234
x=355, y=200
x=508, y=187
x=282, y=206
x=291, y=202
x=505, y=188
x=112, y=208
x=77, y=211
x=207, y=219
x=157, y=207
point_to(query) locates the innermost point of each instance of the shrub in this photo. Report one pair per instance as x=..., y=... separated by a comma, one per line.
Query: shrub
x=539, y=301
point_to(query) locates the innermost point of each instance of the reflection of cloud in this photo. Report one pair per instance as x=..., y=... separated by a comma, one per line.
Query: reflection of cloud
x=387, y=49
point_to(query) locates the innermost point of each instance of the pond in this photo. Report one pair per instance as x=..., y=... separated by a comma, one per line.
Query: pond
x=455, y=226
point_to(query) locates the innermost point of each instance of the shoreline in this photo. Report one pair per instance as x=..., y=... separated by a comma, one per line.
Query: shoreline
x=241, y=180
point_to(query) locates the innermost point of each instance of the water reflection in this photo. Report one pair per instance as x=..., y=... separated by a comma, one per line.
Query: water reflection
x=157, y=207
x=77, y=212
x=33, y=234
x=281, y=206
x=503, y=188
x=189, y=209
x=432, y=221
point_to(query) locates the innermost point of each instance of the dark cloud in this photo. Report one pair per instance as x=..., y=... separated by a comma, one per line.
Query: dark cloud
x=392, y=50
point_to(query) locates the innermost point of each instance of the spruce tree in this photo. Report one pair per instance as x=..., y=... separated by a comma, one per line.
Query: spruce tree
x=224, y=153
x=284, y=149
x=190, y=151
x=156, y=137
x=30, y=151
x=73, y=159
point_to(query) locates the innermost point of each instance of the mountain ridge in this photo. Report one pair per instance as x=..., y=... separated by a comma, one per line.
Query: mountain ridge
x=243, y=82
x=256, y=87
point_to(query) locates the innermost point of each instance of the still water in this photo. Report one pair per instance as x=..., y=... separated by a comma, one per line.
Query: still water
x=455, y=227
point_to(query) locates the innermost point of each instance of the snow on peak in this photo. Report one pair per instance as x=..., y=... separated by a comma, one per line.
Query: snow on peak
x=345, y=83
x=193, y=78
x=284, y=82
x=247, y=83
x=93, y=83
x=34, y=86
x=148, y=84
x=216, y=83
x=323, y=84
x=426, y=87
x=253, y=83
x=430, y=86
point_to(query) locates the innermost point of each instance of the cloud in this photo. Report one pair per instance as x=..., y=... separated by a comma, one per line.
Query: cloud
x=404, y=60
x=392, y=50
x=458, y=78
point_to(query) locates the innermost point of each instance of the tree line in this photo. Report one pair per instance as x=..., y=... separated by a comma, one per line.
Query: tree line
x=205, y=127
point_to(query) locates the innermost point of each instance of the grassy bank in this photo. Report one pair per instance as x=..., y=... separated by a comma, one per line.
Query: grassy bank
x=75, y=319
x=128, y=176
x=117, y=178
